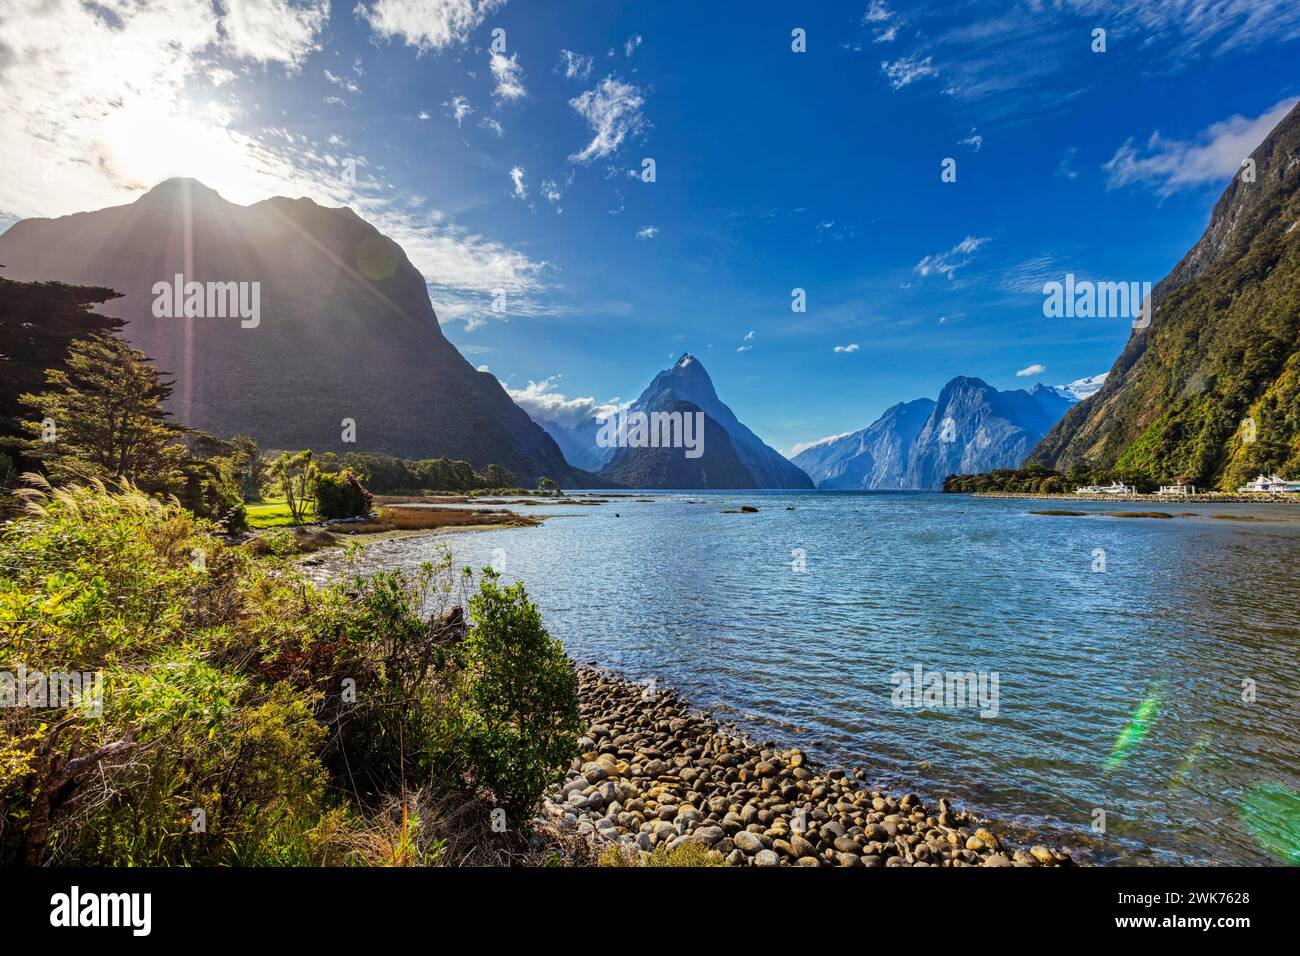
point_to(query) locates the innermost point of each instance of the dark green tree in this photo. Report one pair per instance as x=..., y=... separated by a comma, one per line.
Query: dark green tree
x=102, y=417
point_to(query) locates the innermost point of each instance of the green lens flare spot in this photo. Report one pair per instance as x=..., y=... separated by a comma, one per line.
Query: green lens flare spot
x=1271, y=812
x=1137, y=727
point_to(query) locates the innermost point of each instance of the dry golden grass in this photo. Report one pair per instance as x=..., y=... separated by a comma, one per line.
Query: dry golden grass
x=396, y=518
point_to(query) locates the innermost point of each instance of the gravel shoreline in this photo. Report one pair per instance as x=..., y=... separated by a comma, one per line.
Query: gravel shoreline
x=654, y=774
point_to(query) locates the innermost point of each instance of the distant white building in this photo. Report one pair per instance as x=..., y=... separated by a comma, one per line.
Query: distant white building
x=1114, y=488
x=1177, y=490
x=1271, y=485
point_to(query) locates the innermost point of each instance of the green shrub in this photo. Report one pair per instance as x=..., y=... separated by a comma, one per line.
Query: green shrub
x=521, y=695
x=340, y=495
x=225, y=680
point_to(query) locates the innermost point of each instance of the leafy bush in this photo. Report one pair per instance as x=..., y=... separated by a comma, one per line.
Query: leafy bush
x=289, y=717
x=340, y=495
x=522, y=697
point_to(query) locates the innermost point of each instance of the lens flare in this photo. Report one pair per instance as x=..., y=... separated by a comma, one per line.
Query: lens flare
x=1271, y=812
x=1137, y=727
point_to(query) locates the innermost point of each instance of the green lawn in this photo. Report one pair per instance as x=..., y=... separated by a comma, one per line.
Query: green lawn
x=272, y=513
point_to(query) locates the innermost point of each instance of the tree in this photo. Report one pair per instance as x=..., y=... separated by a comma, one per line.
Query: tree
x=38, y=321
x=295, y=477
x=339, y=494
x=494, y=476
x=102, y=417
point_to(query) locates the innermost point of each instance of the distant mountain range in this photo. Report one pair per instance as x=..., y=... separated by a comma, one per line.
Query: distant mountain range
x=346, y=328
x=913, y=446
x=734, y=457
x=1209, y=392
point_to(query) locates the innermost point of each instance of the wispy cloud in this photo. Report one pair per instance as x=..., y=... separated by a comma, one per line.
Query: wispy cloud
x=509, y=77
x=947, y=263
x=544, y=404
x=1031, y=370
x=1065, y=168
x=613, y=109
x=907, y=70
x=460, y=107
x=576, y=66
x=517, y=177
x=630, y=46
x=428, y=25
x=274, y=30
x=850, y=348
x=343, y=82
x=647, y=232
x=1215, y=154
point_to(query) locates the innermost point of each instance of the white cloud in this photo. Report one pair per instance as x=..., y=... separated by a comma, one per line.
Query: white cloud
x=632, y=43
x=544, y=404
x=509, y=77
x=746, y=346
x=880, y=18
x=517, y=177
x=947, y=263
x=423, y=115
x=460, y=107
x=342, y=82
x=850, y=348
x=906, y=70
x=1031, y=370
x=877, y=12
x=647, y=232
x=576, y=66
x=488, y=123
x=975, y=141
x=551, y=191
x=428, y=25
x=274, y=30
x=1214, y=155
x=613, y=108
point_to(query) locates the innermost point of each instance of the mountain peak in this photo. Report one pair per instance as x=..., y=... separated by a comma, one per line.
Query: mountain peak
x=169, y=187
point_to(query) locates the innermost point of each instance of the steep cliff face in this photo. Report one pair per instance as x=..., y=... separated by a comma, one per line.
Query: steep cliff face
x=914, y=445
x=975, y=428
x=1210, y=392
x=718, y=467
x=871, y=459
x=346, y=328
x=688, y=382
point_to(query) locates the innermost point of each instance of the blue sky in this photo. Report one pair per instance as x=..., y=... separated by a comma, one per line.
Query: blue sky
x=775, y=170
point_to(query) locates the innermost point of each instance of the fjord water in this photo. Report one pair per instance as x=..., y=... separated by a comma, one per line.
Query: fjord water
x=1120, y=691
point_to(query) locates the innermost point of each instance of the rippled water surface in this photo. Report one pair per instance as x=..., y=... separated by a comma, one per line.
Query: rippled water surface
x=1119, y=691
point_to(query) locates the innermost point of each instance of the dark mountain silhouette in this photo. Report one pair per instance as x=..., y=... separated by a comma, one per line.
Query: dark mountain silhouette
x=346, y=328
x=719, y=467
